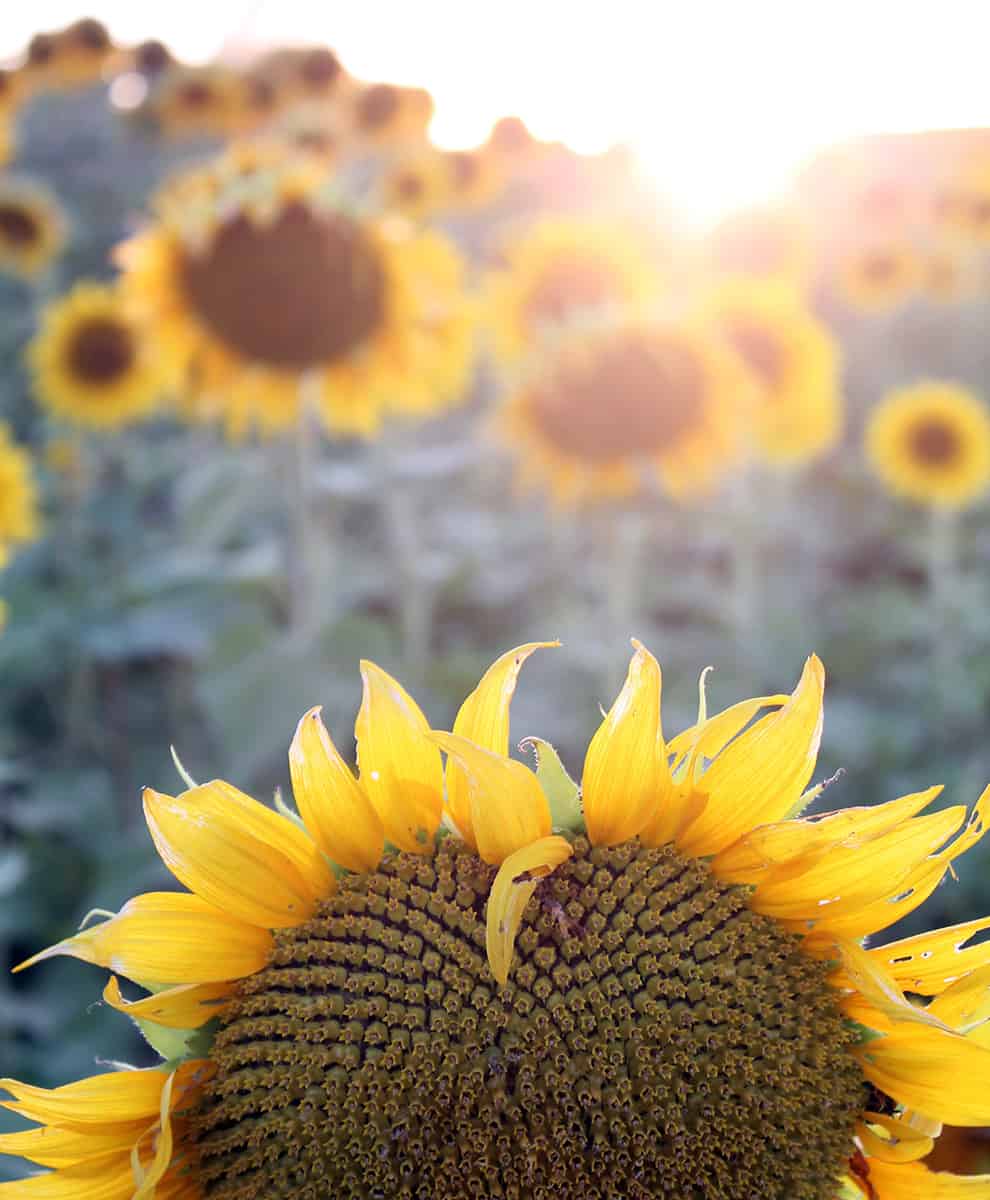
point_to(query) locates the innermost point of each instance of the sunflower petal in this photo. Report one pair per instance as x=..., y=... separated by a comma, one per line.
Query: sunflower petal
x=869, y=979
x=169, y=937
x=514, y=885
x=760, y=777
x=330, y=800
x=100, y=1101
x=966, y=1003
x=483, y=718
x=928, y=962
x=625, y=770
x=108, y=1178
x=709, y=736
x=509, y=809
x=239, y=855
x=50, y=1146
x=187, y=1006
x=400, y=767
x=902, y=1143
x=914, y=1181
x=942, y=1074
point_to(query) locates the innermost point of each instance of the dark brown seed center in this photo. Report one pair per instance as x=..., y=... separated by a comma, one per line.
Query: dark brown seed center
x=935, y=444
x=101, y=351
x=18, y=227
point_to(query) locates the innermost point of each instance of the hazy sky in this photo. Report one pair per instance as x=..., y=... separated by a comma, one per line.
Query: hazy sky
x=720, y=99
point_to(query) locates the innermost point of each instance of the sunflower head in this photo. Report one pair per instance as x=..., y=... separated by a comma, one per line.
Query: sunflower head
x=319, y=72
x=271, y=283
x=151, y=58
x=197, y=101
x=32, y=228
x=794, y=364
x=566, y=271
x=19, y=519
x=415, y=186
x=878, y=276
x=94, y=363
x=73, y=57
x=605, y=404
x=384, y=112
x=653, y=983
x=12, y=90
x=474, y=177
x=931, y=443
x=769, y=243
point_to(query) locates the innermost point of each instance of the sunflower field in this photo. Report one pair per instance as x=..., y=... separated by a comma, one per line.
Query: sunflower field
x=296, y=403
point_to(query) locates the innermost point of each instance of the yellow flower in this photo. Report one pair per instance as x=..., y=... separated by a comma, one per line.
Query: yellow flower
x=474, y=177
x=509, y=982
x=878, y=276
x=931, y=443
x=75, y=56
x=12, y=90
x=32, y=228
x=415, y=185
x=962, y=203
x=605, y=404
x=766, y=243
x=564, y=270
x=794, y=362
x=94, y=363
x=263, y=288
x=19, y=520
x=383, y=113
x=150, y=58
x=949, y=275
x=196, y=101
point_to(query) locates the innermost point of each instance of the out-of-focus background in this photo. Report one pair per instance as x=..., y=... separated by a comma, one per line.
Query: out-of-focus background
x=414, y=332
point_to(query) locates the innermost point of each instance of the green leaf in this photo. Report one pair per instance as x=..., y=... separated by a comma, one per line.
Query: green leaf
x=562, y=793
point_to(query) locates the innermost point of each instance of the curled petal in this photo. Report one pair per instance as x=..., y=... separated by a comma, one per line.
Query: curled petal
x=483, y=718
x=914, y=1181
x=892, y=1140
x=928, y=962
x=509, y=809
x=187, y=1006
x=100, y=1102
x=401, y=771
x=239, y=855
x=514, y=884
x=330, y=800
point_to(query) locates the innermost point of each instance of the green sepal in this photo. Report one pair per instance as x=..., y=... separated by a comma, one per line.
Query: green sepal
x=864, y=1033
x=562, y=793
x=176, y=1045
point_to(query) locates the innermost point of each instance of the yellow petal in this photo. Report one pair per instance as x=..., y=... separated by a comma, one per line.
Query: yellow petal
x=95, y=1179
x=928, y=962
x=966, y=1003
x=761, y=776
x=238, y=855
x=401, y=771
x=759, y=854
x=184, y=1007
x=330, y=800
x=898, y=1142
x=509, y=809
x=878, y=914
x=942, y=1074
x=867, y=976
x=169, y=937
x=150, y=1177
x=625, y=770
x=103, y=1101
x=708, y=737
x=514, y=884
x=483, y=718
x=50, y=1146
x=914, y=1181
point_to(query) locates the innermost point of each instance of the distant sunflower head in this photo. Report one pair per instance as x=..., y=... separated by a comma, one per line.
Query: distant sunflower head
x=272, y=289
x=931, y=443
x=152, y=58
x=767, y=243
x=565, y=271
x=19, y=519
x=32, y=228
x=415, y=185
x=949, y=274
x=653, y=984
x=196, y=101
x=318, y=72
x=385, y=112
x=73, y=57
x=93, y=361
x=474, y=177
x=962, y=203
x=878, y=276
x=794, y=363
x=603, y=406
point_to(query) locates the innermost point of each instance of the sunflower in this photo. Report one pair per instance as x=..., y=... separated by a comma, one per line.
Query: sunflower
x=484, y=980
x=197, y=101
x=770, y=242
x=73, y=57
x=564, y=270
x=19, y=519
x=605, y=404
x=384, y=113
x=151, y=58
x=878, y=276
x=94, y=362
x=32, y=227
x=795, y=365
x=962, y=203
x=931, y=443
x=474, y=177
x=949, y=275
x=415, y=185
x=265, y=287
x=12, y=90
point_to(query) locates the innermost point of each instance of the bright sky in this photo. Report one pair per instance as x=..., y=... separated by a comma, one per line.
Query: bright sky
x=720, y=98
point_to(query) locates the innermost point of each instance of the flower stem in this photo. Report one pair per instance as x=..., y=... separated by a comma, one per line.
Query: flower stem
x=943, y=593
x=307, y=552
x=744, y=590
x=623, y=598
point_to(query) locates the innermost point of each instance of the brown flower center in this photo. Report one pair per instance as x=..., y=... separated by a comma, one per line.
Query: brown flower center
x=567, y=287
x=934, y=443
x=636, y=395
x=761, y=350
x=298, y=293
x=377, y=106
x=101, y=351
x=319, y=68
x=879, y=268
x=18, y=227
x=89, y=34
x=41, y=49
x=152, y=57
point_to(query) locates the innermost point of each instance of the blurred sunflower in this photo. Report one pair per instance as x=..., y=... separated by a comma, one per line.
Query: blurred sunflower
x=12, y=91
x=795, y=365
x=73, y=57
x=879, y=276
x=385, y=112
x=415, y=186
x=962, y=203
x=949, y=274
x=197, y=101
x=32, y=227
x=8, y=141
x=602, y=405
x=770, y=242
x=931, y=443
x=564, y=270
x=265, y=287
x=19, y=519
x=651, y=985
x=473, y=177
x=93, y=362
x=151, y=58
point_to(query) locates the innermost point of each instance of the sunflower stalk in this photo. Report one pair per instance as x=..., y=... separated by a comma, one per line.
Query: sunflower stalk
x=623, y=597
x=744, y=589
x=307, y=550
x=944, y=580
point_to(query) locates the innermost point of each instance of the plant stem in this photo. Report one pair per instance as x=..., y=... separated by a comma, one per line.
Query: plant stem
x=943, y=592
x=744, y=593
x=308, y=554
x=624, y=608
